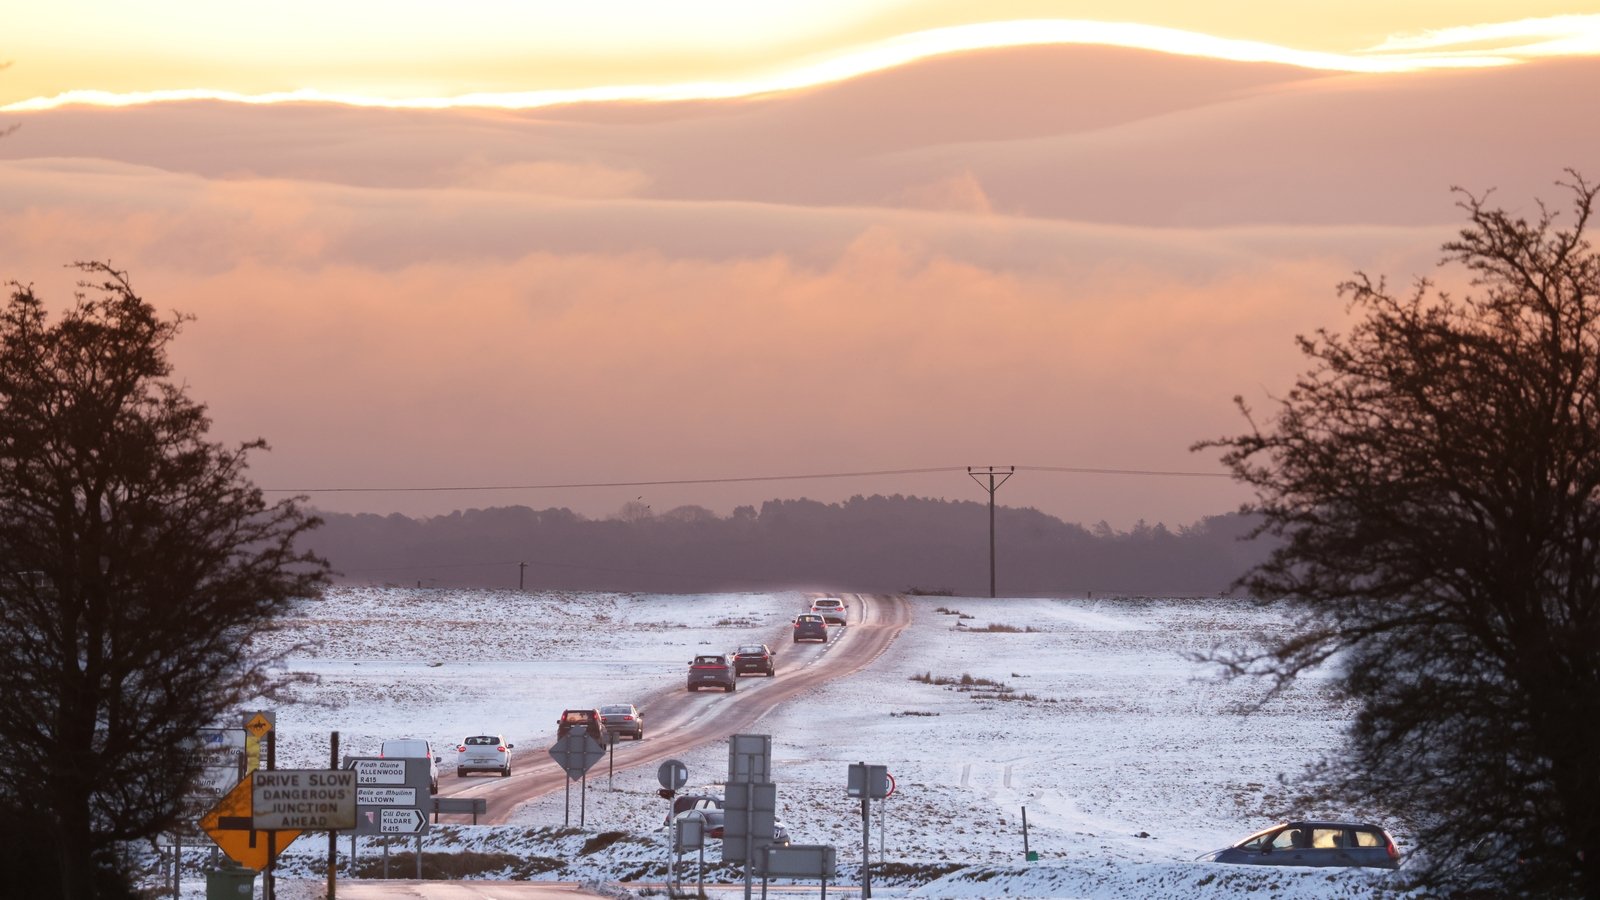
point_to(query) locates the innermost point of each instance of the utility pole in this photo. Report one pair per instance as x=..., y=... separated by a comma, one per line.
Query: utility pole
x=996, y=476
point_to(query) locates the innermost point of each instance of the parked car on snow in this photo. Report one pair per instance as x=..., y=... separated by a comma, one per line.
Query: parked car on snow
x=710, y=807
x=484, y=753
x=414, y=748
x=831, y=609
x=1313, y=844
x=711, y=671
x=753, y=658
x=810, y=627
x=623, y=720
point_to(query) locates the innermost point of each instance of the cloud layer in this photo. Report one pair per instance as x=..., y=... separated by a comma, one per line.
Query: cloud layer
x=1030, y=257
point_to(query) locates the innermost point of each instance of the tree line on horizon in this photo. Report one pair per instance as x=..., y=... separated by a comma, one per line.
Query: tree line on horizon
x=872, y=544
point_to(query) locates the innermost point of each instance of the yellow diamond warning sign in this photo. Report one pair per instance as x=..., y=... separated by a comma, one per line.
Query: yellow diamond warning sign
x=258, y=725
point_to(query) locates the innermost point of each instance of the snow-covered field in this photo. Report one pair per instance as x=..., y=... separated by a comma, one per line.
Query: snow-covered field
x=1130, y=757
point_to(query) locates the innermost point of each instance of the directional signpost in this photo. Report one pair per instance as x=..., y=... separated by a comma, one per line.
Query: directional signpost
x=402, y=821
x=383, y=786
x=576, y=752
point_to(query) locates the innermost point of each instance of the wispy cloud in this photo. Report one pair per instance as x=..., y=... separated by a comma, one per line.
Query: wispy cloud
x=1504, y=44
x=1523, y=39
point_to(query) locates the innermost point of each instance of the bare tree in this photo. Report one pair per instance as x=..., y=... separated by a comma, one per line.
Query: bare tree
x=136, y=565
x=1435, y=476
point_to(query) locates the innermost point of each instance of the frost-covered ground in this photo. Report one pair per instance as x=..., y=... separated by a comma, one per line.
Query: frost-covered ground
x=1130, y=758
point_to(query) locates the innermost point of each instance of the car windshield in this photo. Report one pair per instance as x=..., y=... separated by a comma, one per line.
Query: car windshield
x=482, y=740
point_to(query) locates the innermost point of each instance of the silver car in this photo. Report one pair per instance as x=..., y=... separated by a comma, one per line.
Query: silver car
x=623, y=720
x=484, y=753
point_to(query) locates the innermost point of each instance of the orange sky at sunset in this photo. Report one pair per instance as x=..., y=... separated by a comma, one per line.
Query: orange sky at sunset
x=843, y=237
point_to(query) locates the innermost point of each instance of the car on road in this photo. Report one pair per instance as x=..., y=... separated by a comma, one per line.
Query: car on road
x=414, y=748
x=831, y=609
x=623, y=720
x=810, y=627
x=711, y=670
x=484, y=753
x=588, y=720
x=754, y=659
x=1313, y=844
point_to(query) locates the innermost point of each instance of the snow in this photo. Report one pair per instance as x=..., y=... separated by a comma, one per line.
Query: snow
x=1129, y=755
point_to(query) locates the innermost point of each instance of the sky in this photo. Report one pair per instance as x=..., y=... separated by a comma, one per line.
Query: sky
x=686, y=251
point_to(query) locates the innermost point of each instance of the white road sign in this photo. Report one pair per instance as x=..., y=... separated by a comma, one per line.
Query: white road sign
x=386, y=796
x=380, y=771
x=401, y=821
x=303, y=800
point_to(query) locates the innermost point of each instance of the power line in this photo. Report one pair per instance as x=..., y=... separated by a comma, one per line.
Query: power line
x=735, y=479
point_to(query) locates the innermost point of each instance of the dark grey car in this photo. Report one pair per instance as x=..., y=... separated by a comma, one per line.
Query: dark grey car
x=711, y=671
x=1313, y=844
x=810, y=627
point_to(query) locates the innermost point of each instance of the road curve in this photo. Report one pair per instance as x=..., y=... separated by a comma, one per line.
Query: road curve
x=878, y=619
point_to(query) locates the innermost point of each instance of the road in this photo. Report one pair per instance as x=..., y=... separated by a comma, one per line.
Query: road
x=677, y=721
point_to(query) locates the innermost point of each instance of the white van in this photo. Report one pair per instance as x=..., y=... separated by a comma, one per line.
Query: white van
x=415, y=748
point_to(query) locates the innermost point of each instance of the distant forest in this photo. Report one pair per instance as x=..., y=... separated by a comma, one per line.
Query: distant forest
x=868, y=544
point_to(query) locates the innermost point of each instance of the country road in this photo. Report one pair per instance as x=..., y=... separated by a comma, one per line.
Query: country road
x=677, y=721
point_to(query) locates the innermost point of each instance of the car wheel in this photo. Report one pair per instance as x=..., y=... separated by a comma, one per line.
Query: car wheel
x=506, y=772
x=461, y=773
x=772, y=671
x=730, y=688
x=640, y=735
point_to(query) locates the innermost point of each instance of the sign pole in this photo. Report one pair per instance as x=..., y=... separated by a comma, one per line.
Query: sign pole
x=333, y=836
x=269, y=889
x=583, y=801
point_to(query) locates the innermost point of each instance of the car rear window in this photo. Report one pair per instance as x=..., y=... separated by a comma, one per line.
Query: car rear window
x=752, y=651
x=404, y=748
x=576, y=715
x=709, y=661
x=1368, y=839
x=616, y=710
x=482, y=740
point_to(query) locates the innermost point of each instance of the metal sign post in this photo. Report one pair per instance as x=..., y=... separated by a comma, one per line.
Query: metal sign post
x=576, y=752
x=869, y=783
x=671, y=775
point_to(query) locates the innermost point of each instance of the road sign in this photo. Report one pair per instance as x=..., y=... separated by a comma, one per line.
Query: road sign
x=673, y=774
x=867, y=782
x=378, y=771
x=576, y=753
x=386, y=796
x=303, y=799
x=258, y=724
x=392, y=785
x=401, y=821
x=228, y=823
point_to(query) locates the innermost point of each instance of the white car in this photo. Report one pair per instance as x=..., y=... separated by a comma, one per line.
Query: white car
x=484, y=753
x=415, y=748
x=831, y=609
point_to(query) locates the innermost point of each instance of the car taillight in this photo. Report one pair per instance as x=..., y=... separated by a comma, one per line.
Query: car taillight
x=500, y=749
x=1394, y=852
x=462, y=748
